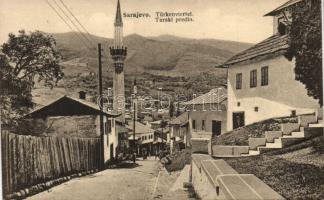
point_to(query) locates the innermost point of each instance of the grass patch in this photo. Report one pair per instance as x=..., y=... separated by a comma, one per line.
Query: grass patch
x=290, y=179
x=179, y=160
x=240, y=136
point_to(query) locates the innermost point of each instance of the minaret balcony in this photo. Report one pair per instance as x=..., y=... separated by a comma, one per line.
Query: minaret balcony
x=121, y=51
x=118, y=53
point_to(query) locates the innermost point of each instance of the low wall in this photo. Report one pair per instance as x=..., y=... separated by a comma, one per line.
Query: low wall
x=199, y=145
x=215, y=179
x=229, y=151
x=199, y=182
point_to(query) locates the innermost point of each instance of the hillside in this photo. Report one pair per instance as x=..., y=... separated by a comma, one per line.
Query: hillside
x=178, y=65
x=165, y=55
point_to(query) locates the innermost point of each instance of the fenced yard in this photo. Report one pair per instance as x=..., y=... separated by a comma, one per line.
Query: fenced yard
x=30, y=160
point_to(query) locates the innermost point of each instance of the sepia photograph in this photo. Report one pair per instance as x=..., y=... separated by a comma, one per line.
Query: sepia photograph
x=161, y=100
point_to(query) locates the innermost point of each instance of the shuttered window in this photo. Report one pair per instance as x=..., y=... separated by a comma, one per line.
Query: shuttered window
x=264, y=76
x=253, y=78
x=239, y=81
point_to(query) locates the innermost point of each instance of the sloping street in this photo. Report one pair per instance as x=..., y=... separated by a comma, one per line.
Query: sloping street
x=113, y=184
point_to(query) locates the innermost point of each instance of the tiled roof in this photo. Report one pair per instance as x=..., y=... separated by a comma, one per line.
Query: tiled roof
x=181, y=119
x=270, y=45
x=216, y=95
x=65, y=99
x=285, y=5
x=139, y=128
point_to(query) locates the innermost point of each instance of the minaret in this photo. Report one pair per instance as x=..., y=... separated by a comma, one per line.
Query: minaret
x=118, y=53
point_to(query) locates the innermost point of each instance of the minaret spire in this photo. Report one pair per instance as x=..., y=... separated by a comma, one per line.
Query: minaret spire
x=118, y=37
x=118, y=19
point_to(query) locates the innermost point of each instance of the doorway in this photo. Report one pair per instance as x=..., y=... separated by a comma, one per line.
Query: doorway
x=111, y=151
x=216, y=128
x=238, y=120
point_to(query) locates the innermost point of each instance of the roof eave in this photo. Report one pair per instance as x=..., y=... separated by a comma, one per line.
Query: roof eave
x=280, y=52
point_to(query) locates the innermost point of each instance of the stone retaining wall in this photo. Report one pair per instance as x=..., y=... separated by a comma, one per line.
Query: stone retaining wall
x=215, y=179
x=199, y=145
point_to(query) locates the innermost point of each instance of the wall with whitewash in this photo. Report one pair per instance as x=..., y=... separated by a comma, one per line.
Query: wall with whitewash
x=280, y=97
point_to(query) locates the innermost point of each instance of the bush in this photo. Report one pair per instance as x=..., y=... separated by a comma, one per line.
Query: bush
x=179, y=160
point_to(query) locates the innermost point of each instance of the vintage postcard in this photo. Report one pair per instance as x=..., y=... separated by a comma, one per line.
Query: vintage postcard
x=161, y=99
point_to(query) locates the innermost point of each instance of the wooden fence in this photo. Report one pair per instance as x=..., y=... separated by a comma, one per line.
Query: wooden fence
x=29, y=160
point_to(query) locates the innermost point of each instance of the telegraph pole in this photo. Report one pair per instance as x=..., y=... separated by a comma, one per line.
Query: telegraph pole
x=134, y=120
x=101, y=108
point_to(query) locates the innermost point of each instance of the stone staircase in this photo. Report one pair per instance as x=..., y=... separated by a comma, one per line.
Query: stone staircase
x=290, y=133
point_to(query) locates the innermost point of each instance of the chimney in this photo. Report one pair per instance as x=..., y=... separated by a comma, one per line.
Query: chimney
x=82, y=95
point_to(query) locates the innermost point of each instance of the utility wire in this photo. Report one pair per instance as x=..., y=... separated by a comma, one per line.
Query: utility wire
x=58, y=14
x=86, y=39
x=76, y=19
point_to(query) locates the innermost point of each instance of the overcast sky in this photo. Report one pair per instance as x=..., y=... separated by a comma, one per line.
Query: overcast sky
x=237, y=20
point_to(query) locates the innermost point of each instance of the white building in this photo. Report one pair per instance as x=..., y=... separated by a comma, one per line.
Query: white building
x=261, y=80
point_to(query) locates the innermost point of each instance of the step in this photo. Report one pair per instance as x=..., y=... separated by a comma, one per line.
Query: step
x=319, y=124
x=304, y=120
x=274, y=145
x=292, y=137
x=271, y=135
x=287, y=128
x=267, y=149
x=245, y=155
x=298, y=134
x=290, y=140
x=254, y=152
x=255, y=142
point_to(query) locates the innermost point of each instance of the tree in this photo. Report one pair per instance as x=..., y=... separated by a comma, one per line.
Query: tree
x=25, y=58
x=306, y=46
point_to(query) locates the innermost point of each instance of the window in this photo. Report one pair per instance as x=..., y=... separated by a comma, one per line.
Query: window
x=253, y=78
x=203, y=125
x=264, y=76
x=107, y=127
x=239, y=81
x=193, y=124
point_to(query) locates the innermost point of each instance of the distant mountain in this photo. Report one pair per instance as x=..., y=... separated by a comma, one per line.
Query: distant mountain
x=163, y=55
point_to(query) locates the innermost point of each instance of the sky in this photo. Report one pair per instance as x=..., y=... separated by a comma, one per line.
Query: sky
x=236, y=20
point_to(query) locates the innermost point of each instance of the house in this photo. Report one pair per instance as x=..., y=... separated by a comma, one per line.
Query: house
x=144, y=137
x=73, y=117
x=156, y=124
x=161, y=130
x=205, y=117
x=179, y=129
x=207, y=113
x=261, y=80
